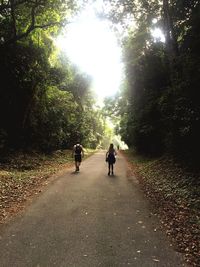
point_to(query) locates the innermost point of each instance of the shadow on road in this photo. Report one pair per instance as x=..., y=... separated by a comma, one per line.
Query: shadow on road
x=75, y=173
x=112, y=176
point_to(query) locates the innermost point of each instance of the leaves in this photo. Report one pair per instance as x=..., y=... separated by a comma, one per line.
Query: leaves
x=22, y=175
x=173, y=192
x=20, y=18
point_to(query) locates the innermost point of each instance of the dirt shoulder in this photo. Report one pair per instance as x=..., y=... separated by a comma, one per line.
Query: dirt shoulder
x=175, y=195
x=23, y=175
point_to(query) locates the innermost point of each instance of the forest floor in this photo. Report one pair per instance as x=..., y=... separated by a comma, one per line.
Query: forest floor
x=23, y=175
x=175, y=195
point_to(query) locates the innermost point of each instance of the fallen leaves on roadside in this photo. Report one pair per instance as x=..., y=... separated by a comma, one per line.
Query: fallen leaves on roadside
x=174, y=193
x=23, y=175
x=156, y=260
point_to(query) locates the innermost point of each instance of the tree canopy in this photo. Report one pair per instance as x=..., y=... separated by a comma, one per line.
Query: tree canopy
x=162, y=111
x=45, y=102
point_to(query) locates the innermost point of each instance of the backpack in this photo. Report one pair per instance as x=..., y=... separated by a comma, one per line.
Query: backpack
x=78, y=149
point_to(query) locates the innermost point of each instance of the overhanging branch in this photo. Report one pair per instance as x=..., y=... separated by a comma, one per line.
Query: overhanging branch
x=30, y=29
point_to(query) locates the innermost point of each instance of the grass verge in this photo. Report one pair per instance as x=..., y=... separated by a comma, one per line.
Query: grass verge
x=22, y=175
x=175, y=194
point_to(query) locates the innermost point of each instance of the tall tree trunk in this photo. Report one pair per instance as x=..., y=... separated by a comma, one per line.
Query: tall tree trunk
x=12, y=8
x=171, y=41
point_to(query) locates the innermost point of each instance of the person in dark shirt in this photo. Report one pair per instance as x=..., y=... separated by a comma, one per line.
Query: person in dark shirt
x=77, y=153
x=110, y=158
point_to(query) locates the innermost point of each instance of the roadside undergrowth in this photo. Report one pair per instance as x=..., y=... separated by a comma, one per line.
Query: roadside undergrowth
x=175, y=195
x=23, y=175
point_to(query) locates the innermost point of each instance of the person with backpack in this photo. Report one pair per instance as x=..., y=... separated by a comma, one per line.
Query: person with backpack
x=110, y=158
x=77, y=153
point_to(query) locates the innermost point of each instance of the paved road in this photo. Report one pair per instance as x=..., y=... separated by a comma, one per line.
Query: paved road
x=87, y=220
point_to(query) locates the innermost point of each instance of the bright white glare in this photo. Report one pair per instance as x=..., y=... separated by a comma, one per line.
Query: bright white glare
x=91, y=45
x=154, y=21
x=158, y=35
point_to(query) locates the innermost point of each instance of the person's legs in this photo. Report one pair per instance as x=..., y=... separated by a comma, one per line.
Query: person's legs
x=109, y=168
x=76, y=165
x=112, y=168
x=77, y=162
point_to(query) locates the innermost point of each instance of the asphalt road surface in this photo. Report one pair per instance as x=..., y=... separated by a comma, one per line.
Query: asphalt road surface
x=88, y=219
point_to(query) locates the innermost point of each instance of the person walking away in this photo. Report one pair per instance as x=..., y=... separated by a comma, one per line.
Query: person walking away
x=110, y=158
x=77, y=153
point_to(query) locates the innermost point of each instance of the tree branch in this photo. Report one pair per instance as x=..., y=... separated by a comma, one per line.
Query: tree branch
x=32, y=20
x=15, y=4
x=29, y=30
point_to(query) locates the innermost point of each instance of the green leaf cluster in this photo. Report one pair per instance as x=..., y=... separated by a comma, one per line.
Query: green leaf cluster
x=162, y=111
x=45, y=102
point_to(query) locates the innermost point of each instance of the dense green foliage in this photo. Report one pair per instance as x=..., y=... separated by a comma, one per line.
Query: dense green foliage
x=163, y=107
x=45, y=103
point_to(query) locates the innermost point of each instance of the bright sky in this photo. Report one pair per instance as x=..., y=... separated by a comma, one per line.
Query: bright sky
x=158, y=35
x=90, y=44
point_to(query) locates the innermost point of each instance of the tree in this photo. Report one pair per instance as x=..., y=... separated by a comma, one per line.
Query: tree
x=162, y=100
x=44, y=101
x=19, y=18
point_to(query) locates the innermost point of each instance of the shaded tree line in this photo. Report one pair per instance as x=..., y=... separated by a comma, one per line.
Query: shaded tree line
x=45, y=102
x=161, y=93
